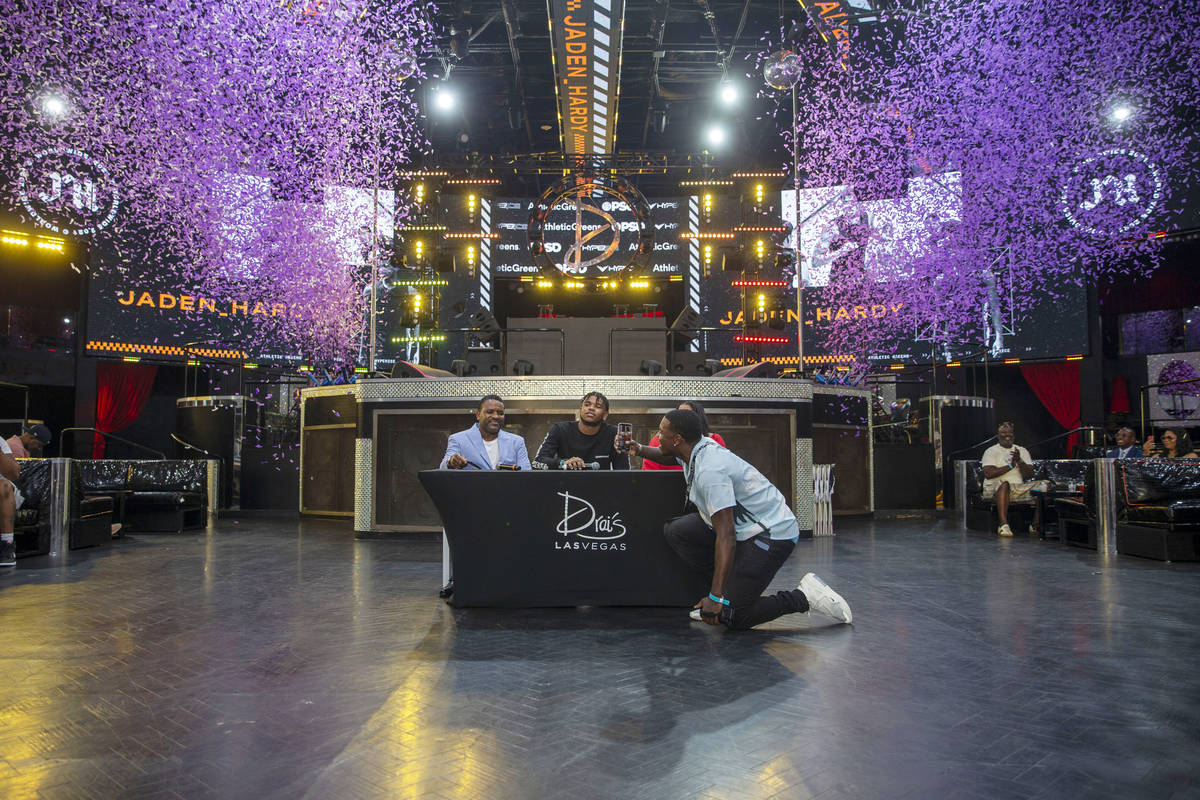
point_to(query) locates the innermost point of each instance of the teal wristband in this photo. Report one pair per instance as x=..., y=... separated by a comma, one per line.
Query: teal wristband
x=720, y=600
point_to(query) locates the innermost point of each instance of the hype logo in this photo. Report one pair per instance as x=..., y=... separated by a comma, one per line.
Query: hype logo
x=1111, y=192
x=580, y=518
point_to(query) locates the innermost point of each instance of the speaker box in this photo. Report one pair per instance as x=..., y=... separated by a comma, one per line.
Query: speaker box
x=404, y=369
x=763, y=369
x=484, y=361
x=687, y=364
x=484, y=321
x=685, y=324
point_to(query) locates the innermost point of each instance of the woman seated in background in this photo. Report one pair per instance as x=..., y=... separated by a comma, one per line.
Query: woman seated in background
x=689, y=405
x=1174, y=443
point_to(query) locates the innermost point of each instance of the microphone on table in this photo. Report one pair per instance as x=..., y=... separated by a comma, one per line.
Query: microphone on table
x=592, y=465
x=512, y=467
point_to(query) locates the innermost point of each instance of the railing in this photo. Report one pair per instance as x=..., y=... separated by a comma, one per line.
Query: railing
x=63, y=433
x=191, y=446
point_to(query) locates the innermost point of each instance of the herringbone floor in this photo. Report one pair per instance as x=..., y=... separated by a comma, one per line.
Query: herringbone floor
x=276, y=659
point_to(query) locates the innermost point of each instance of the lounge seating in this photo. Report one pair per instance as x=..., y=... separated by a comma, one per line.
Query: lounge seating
x=1158, y=509
x=90, y=518
x=981, y=513
x=167, y=496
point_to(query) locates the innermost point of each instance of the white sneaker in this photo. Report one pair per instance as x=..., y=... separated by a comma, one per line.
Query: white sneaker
x=824, y=600
x=696, y=615
x=1005, y=530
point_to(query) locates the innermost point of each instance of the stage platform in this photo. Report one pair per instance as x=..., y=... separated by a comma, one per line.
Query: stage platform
x=276, y=659
x=362, y=445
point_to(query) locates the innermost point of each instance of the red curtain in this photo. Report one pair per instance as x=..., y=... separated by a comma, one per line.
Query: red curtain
x=1057, y=386
x=121, y=393
x=1120, y=396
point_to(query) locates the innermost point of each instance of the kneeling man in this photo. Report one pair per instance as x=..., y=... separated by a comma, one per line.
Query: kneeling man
x=743, y=533
x=484, y=445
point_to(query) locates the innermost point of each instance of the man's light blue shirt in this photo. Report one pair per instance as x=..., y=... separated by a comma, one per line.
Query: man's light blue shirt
x=723, y=480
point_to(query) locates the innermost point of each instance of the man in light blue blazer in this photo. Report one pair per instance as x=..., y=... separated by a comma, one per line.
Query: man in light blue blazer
x=485, y=445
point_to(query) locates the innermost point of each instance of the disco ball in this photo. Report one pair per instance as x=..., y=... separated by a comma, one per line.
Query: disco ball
x=402, y=64
x=782, y=69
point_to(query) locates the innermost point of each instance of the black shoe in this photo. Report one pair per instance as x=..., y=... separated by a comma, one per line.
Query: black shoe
x=446, y=590
x=8, y=554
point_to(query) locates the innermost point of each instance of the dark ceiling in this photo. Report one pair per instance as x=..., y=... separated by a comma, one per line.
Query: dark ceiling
x=498, y=55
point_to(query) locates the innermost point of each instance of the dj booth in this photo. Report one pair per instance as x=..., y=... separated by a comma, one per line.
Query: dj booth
x=563, y=538
x=364, y=445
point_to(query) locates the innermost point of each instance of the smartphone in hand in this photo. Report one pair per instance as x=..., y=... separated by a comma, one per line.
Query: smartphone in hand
x=625, y=435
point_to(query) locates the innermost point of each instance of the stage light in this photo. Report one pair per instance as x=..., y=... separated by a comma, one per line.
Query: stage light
x=708, y=204
x=639, y=284
x=758, y=194
x=52, y=105
x=419, y=192
x=471, y=204
x=708, y=255
x=66, y=320
x=444, y=98
x=760, y=247
x=715, y=135
x=728, y=93
x=14, y=241
x=57, y=247
x=762, y=339
x=419, y=247
x=1121, y=113
x=545, y=284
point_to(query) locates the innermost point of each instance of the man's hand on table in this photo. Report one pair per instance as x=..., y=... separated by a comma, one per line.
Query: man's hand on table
x=575, y=462
x=457, y=461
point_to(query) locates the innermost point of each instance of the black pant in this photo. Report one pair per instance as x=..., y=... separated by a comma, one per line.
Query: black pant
x=755, y=562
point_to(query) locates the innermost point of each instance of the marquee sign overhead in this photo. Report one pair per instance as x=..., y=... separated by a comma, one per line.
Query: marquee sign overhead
x=586, y=39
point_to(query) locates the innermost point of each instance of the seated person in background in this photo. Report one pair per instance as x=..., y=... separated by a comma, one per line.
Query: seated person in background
x=10, y=501
x=1174, y=443
x=575, y=445
x=1008, y=476
x=484, y=445
x=31, y=441
x=1127, y=446
x=686, y=405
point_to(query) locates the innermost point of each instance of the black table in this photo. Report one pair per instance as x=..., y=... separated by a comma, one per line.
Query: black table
x=562, y=538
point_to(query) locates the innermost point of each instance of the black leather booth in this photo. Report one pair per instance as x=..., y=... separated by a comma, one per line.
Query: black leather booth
x=167, y=496
x=1158, y=508
x=981, y=512
x=32, y=527
x=90, y=518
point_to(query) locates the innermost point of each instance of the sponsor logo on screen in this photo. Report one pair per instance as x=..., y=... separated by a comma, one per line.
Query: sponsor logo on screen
x=584, y=528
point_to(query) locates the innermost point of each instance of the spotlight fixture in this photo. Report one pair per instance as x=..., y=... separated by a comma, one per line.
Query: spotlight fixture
x=715, y=135
x=728, y=92
x=1121, y=113
x=444, y=98
x=52, y=105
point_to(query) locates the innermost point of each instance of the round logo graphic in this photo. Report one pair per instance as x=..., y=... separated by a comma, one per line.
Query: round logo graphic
x=591, y=225
x=1112, y=192
x=1182, y=399
x=68, y=191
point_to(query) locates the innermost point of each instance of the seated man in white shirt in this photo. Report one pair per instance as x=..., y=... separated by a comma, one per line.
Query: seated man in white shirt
x=1008, y=476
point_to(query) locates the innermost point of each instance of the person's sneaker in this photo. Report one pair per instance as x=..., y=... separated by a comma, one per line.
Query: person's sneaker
x=8, y=552
x=1033, y=530
x=1005, y=530
x=824, y=600
x=695, y=614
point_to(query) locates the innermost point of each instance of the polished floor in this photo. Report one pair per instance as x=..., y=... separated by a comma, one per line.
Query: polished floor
x=282, y=659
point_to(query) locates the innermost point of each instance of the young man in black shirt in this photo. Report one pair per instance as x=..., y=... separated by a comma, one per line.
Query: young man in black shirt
x=575, y=445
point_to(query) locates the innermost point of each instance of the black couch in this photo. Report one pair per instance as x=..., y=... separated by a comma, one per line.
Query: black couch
x=1158, y=508
x=981, y=513
x=90, y=520
x=168, y=496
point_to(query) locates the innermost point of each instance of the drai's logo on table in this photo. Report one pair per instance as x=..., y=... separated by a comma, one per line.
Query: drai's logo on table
x=582, y=528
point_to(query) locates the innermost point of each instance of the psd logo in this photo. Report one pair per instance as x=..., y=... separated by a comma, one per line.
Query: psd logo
x=582, y=528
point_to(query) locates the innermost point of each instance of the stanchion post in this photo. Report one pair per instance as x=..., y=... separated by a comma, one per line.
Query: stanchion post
x=960, y=492
x=60, y=509
x=1106, y=506
x=213, y=484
